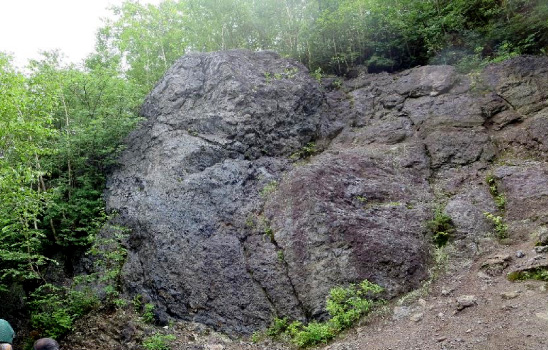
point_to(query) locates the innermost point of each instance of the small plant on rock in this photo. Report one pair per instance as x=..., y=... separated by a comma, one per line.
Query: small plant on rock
x=270, y=188
x=279, y=326
x=148, y=313
x=317, y=74
x=501, y=229
x=306, y=151
x=441, y=227
x=499, y=198
x=158, y=342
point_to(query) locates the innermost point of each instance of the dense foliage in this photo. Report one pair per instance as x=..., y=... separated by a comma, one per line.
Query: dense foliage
x=60, y=130
x=61, y=127
x=333, y=35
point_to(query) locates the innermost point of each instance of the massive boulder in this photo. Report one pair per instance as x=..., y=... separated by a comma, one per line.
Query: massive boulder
x=251, y=189
x=190, y=181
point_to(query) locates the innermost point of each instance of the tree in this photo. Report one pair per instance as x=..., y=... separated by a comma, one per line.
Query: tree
x=146, y=39
x=25, y=139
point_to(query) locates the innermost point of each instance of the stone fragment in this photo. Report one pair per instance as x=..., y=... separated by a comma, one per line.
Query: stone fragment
x=417, y=317
x=215, y=347
x=542, y=235
x=495, y=265
x=465, y=301
x=510, y=295
x=541, y=249
x=401, y=312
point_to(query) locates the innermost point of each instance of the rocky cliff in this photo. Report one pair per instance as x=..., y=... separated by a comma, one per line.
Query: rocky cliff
x=251, y=189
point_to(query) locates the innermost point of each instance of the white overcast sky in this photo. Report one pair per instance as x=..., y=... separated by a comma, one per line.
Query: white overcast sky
x=30, y=26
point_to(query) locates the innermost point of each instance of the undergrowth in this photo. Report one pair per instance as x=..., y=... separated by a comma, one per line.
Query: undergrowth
x=54, y=309
x=538, y=273
x=345, y=306
x=158, y=342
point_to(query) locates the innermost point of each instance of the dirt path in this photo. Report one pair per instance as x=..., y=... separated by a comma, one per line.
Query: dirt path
x=502, y=315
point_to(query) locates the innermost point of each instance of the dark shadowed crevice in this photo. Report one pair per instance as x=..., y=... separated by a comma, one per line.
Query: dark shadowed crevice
x=251, y=275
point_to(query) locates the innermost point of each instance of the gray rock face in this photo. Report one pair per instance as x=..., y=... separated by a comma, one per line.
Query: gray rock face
x=526, y=186
x=229, y=229
x=190, y=180
x=253, y=104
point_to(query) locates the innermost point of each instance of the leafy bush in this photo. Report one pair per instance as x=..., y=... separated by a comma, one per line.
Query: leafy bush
x=314, y=333
x=279, y=326
x=148, y=313
x=441, y=227
x=54, y=309
x=109, y=256
x=158, y=342
x=345, y=305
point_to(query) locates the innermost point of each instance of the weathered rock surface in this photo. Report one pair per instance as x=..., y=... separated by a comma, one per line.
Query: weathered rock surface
x=191, y=180
x=353, y=215
x=229, y=230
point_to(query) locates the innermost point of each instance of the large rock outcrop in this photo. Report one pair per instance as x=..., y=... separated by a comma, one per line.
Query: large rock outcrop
x=237, y=217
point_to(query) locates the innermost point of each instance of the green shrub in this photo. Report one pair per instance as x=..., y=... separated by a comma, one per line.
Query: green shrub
x=314, y=333
x=279, y=326
x=256, y=337
x=137, y=302
x=158, y=342
x=345, y=305
x=539, y=274
x=54, y=309
x=441, y=227
x=306, y=151
x=148, y=313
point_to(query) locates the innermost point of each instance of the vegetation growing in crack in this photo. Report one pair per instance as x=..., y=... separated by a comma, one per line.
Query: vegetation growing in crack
x=501, y=228
x=269, y=233
x=345, y=306
x=306, y=151
x=269, y=188
x=288, y=73
x=500, y=199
